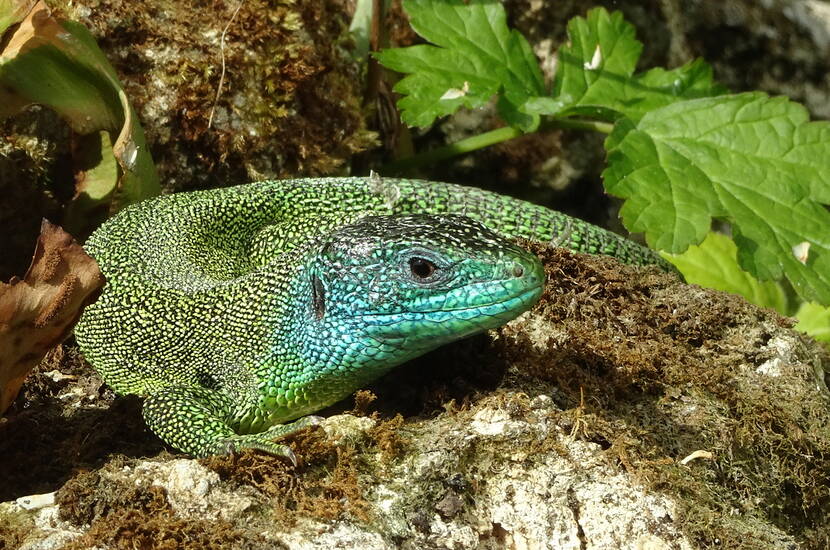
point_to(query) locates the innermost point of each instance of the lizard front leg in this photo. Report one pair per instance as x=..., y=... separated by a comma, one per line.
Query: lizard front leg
x=191, y=419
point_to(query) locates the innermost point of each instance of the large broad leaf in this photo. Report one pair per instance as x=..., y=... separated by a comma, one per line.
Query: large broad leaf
x=595, y=72
x=754, y=161
x=57, y=64
x=714, y=264
x=814, y=320
x=474, y=56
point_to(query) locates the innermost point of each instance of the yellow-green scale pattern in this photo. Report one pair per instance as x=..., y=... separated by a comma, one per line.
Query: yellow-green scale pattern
x=236, y=310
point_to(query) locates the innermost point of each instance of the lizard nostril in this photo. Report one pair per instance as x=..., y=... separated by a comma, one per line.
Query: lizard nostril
x=518, y=270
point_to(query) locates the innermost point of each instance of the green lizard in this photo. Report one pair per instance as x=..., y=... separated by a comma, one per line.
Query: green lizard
x=235, y=310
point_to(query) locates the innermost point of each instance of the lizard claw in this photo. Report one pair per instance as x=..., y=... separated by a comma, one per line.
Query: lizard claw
x=264, y=441
x=290, y=456
x=313, y=420
x=232, y=445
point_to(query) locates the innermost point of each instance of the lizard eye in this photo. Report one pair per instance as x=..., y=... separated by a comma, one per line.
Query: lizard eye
x=421, y=267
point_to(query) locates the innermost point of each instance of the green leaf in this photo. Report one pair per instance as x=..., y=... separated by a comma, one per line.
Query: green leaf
x=754, y=161
x=714, y=264
x=13, y=12
x=59, y=65
x=360, y=28
x=474, y=57
x=595, y=72
x=814, y=320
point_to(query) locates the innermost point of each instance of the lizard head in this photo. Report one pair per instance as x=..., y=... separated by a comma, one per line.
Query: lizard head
x=388, y=288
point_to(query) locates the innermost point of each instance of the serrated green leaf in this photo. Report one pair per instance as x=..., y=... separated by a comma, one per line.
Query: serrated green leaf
x=595, y=72
x=714, y=264
x=602, y=52
x=474, y=56
x=814, y=320
x=754, y=161
x=517, y=116
x=658, y=87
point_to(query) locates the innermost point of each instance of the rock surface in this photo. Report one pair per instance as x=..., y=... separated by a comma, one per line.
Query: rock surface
x=628, y=410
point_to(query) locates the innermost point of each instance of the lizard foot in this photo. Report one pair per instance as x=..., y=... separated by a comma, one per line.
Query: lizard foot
x=191, y=420
x=264, y=441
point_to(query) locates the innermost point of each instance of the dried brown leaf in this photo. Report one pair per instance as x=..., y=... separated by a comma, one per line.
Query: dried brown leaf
x=38, y=312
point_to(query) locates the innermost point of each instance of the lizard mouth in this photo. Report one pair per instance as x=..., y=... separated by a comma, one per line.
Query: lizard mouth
x=511, y=302
x=442, y=325
x=508, y=303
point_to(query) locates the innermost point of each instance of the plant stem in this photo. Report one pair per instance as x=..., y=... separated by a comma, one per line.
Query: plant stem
x=577, y=124
x=454, y=149
x=489, y=138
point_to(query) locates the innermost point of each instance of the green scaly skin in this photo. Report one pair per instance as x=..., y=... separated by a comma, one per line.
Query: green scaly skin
x=236, y=310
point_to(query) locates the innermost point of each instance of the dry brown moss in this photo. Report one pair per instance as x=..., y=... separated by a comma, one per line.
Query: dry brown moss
x=124, y=516
x=324, y=485
x=14, y=526
x=362, y=401
x=653, y=370
x=386, y=437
